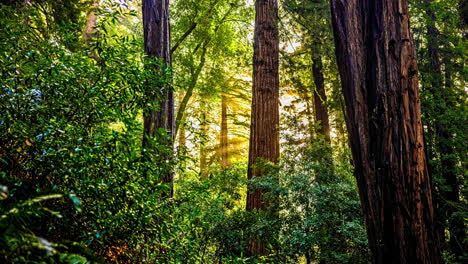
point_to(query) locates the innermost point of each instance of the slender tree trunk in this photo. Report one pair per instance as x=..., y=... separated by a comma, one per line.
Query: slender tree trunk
x=377, y=64
x=192, y=27
x=157, y=45
x=180, y=128
x=224, y=143
x=320, y=98
x=196, y=72
x=457, y=227
x=321, y=116
x=203, y=141
x=182, y=144
x=456, y=223
x=304, y=94
x=448, y=194
x=264, y=129
x=308, y=258
x=182, y=147
x=435, y=88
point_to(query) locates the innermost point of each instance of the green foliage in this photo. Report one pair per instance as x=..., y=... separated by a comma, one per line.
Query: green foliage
x=441, y=57
x=77, y=187
x=320, y=210
x=68, y=124
x=19, y=243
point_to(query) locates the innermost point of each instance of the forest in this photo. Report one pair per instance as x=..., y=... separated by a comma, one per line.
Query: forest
x=233, y=131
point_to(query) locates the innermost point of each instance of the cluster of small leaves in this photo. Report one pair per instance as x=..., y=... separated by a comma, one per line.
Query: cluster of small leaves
x=321, y=210
x=19, y=244
x=68, y=125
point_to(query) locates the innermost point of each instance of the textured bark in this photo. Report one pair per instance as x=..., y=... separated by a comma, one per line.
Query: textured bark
x=224, y=143
x=377, y=64
x=320, y=98
x=157, y=44
x=264, y=130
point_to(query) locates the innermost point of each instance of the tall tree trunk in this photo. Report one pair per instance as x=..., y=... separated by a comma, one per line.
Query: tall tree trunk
x=195, y=73
x=377, y=64
x=435, y=88
x=456, y=223
x=180, y=128
x=303, y=91
x=320, y=98
x=224, y=143
x=447, y=196
x=264, y=128
x=203, y=141
x=182, y=144
x=157, y=45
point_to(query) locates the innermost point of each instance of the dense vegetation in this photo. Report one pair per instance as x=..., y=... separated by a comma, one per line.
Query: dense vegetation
x=82, y=180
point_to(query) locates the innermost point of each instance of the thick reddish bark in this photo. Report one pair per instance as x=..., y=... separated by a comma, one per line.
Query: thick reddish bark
x=377, y=63
x=264, y=133
x=157, y=44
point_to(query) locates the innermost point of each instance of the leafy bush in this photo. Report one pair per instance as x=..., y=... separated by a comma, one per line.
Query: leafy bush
x=19, y=242
x=68, y=124
x=320, y=211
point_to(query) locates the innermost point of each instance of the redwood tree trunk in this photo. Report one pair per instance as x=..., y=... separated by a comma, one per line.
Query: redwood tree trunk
x=320, y=98
x=264, y=130
x=157, y=44
x=377, y=64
